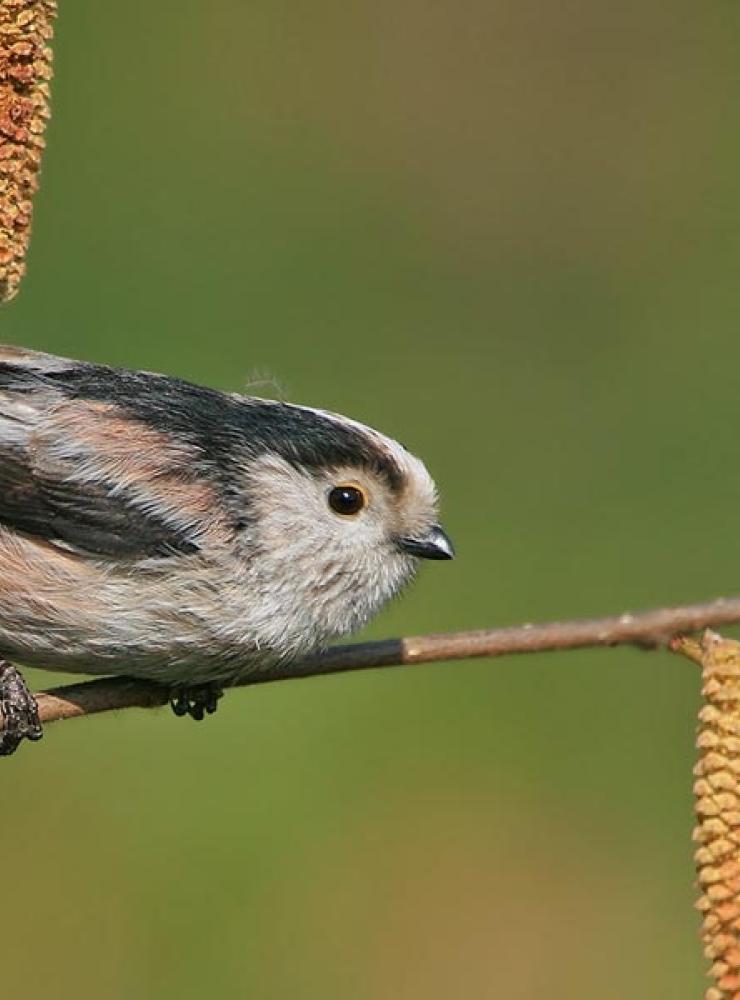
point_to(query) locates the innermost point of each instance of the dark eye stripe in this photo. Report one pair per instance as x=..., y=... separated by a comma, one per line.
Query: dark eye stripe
x=346, y=500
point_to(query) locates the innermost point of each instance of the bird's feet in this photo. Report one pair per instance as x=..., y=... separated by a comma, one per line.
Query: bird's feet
x=195, y=701
x=19, y=711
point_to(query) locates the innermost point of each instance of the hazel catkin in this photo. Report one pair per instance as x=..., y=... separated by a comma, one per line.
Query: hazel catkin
x=717, y=805
x=25, y=71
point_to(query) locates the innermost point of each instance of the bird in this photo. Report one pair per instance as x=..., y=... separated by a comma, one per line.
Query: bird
x=155, y=528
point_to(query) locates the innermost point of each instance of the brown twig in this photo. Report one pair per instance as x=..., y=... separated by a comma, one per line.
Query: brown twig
x=647, y=629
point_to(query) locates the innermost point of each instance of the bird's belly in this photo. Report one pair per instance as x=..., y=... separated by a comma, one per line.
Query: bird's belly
x=190, y=626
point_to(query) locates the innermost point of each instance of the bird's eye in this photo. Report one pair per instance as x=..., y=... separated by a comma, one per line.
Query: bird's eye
x=347, y=499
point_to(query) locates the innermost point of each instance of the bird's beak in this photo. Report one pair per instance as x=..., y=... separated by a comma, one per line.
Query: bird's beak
x=433, y=544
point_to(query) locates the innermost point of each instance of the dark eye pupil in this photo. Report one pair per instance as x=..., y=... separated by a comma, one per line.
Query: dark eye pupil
x=346, y=499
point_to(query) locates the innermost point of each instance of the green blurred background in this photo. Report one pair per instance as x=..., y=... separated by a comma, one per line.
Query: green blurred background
x=508, y=233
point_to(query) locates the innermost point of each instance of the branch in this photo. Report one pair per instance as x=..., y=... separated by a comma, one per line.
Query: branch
x=646, y=629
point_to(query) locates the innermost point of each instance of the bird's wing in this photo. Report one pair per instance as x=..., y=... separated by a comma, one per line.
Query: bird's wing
x=78, y=468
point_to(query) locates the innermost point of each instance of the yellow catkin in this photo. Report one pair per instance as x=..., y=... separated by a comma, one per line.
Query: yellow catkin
x=717, y=795
x=25, y=71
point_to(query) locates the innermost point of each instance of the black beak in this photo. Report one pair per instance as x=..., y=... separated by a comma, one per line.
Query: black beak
x=433, y=545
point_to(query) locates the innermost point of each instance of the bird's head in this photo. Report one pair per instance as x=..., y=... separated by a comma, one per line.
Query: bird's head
x=339, y=516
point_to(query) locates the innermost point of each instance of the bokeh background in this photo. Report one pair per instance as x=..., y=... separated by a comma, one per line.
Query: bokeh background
x=508, y=233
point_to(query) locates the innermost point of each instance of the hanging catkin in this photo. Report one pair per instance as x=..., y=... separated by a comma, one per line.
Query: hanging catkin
x=717, y=794
x=25, y=71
